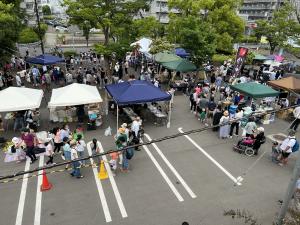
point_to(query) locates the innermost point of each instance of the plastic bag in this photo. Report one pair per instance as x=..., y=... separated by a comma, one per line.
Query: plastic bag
x=107, y=131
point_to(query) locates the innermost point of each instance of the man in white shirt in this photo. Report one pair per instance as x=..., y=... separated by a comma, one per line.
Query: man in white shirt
x=296, y=122
x=18, y=80
x=286, y=147
x=135, y=126
x=69, y=78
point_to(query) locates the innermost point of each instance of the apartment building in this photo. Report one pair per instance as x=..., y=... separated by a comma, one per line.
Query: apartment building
x=28, y=6
x=259, y=9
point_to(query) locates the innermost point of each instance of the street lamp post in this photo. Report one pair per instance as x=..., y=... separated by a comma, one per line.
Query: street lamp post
x=39, y=25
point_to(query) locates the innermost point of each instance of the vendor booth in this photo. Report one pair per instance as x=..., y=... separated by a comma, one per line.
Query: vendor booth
x=69, y=103
x=138, y=92
x=290, y=87
x=259, y=91
x=45, y=59
x=16, y=101
x=181, y=65
x=163, y=57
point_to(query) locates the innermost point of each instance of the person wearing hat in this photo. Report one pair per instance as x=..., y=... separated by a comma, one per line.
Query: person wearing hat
x=250, y=127
x=286, y=147
x=124, y=126
x=121, y=141
x=259, y=139
x=224, y=126
x=29, y=140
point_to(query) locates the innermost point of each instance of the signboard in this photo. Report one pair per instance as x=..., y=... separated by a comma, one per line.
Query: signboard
x=240, y=59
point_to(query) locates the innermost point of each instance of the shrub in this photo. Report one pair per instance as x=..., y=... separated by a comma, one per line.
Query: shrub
x=220, y=58
x=70, y=53
x=27, y=35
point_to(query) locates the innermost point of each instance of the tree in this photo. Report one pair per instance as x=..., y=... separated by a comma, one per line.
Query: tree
x=146, y=27
x=110, y=16
x=160, y=45
x=42, y=31
x=86, y=26
x=281, y=27
x=28, y=35
x=46, y=10
x=195, y=35
x=10, y=25
x=220, y=14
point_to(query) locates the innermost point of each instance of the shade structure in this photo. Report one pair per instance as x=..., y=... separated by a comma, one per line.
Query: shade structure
x=17, y=99
x=260, y=57
x=144, y=45
x=74, y=94
x=254, y=90
x=181, y=65
x=136, y=91
x=272, y=63
x=45, y=59
x=182, y=52
x=163, y=57
x=288, y=83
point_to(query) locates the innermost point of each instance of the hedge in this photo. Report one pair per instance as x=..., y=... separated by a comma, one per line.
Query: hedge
x=27, y=35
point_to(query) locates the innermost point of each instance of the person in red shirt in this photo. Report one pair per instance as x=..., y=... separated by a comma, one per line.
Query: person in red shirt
x=29, y=140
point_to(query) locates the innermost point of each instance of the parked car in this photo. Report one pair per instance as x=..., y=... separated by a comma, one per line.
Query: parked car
x=95, y=30
x=61, y=29
x=49, y=22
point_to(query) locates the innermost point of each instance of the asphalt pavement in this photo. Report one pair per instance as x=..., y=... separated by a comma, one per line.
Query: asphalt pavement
x=183, y=179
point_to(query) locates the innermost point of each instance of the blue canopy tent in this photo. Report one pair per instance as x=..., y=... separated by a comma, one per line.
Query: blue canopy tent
x=182, y=52
x=45, y=59
x=135, y=92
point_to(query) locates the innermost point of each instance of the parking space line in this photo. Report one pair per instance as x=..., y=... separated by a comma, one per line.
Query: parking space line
x=23, y=192
x=179, y=177
x=235, y=180
x=164, y=175
x=113, y=183
x=38, y=200
x=100, y=188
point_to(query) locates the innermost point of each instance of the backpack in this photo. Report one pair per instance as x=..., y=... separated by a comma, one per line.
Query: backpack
x=129, y=153
x=295, y=148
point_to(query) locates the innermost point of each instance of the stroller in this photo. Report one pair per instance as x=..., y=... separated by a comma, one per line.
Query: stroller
x=245, y=146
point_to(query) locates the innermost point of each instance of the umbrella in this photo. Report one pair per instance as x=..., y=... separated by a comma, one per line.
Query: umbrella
x=163, y=57
x=181, y=52
x=181, y=65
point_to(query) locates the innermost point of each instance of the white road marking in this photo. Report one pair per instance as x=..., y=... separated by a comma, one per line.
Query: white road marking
x=164, y=175
x=100, y=188
x=38, y=200
x=235, y=180
x=181, y=180
x=113, y=183
x=20, y=211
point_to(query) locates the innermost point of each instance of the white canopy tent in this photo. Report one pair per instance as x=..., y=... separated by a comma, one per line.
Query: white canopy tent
x=144, y=44
x=18, y=98
x=74, y=94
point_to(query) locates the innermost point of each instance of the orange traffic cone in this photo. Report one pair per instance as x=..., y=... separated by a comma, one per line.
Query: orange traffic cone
x=102, y=175
x=46, y=185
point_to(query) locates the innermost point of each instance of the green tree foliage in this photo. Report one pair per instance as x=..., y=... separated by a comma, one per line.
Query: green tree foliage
x=160, y=45
x=9, y=29
x=113, y=50
x=86, y=26
x=46, y=10
x=146, y=27
x=41, y=33
x=195, y=35
x=112, y=17
x=281, y=27
x=219, y=14
x=28, y=35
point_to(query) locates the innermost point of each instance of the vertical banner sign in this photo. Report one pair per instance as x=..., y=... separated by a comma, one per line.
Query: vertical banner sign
x=240, y=59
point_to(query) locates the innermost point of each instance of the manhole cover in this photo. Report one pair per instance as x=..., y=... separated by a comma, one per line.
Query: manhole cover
x=279, y=137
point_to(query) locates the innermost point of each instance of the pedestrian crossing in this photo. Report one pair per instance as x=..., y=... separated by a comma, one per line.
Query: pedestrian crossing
x=109, y=195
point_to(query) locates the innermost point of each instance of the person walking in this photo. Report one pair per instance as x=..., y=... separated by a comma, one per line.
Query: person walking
x=49, y=152
x=75, y=165
x=30, y=141
x=80, y=146
x=57, y=139
x=135, y=126
x=286, y=147
x=296, y=122
x=66, y=150
x=259, y=139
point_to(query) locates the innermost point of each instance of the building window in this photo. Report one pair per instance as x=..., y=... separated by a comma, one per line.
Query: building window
x=29, y=6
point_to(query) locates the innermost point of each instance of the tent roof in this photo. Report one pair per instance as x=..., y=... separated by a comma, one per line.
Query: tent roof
x=254, y=90
x=45, y=59
x=144, y=44
x=162, y=57
x=181, y=52
x=74, y=94
x=288, y=83
x=136, y=91
x=181, y=65
x=260, y=57
x=17, y=99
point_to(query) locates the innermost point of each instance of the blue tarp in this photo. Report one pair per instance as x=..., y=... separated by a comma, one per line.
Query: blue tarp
x=181, y=52
x=45, y=60
x=136, y=91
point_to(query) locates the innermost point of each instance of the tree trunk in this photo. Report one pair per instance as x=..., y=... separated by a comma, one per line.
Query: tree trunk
x=272, y=49
x=106, y=35
x=87, y=42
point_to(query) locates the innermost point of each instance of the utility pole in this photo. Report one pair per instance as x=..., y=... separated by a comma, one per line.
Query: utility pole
x=289, y=192
x=39, y=25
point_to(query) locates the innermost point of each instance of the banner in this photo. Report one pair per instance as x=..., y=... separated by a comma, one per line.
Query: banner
x=240, y=59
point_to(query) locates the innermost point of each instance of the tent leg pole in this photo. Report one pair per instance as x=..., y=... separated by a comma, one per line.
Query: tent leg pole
x=169, y=116
x=106, y=104
x=117, y=117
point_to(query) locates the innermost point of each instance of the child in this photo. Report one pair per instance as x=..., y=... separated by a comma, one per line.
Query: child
x=202, y=115
x=113, y=162
x=49, y=152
